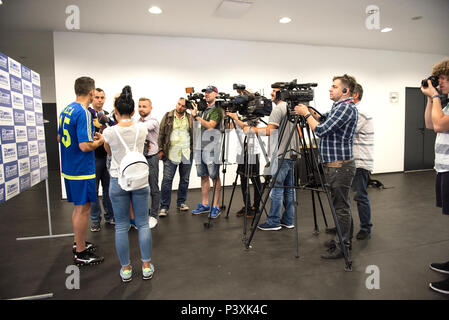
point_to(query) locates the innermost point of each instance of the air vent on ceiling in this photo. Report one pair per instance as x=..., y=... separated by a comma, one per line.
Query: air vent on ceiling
x=233, y=9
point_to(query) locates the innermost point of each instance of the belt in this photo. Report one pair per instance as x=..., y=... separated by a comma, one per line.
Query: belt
x=336, y=164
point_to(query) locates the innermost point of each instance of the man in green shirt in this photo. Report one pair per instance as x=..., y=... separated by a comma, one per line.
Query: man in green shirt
x=207, y=152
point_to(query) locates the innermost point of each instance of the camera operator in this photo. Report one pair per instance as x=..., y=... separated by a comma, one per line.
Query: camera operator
x=101, y=171
x=436, y=118
x=336, y=135
x=285, y=179
x=248, y=167
x=208, y=151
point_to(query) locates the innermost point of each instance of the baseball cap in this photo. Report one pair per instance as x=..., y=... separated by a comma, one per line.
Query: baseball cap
x=210, y=89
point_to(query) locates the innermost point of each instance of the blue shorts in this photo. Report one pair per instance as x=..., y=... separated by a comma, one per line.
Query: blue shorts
x=81, y=191
x=208, y=170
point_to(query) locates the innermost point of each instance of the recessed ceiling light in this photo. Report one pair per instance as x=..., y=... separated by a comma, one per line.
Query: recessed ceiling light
x=1, y=2
x=285, y=20
x=417, y=18
x=155, y=10
x=387, y=29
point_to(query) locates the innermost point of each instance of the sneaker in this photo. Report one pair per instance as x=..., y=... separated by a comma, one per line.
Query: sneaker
x=253, y=211
x=109, y=221
x=268, y=227
x=89, y=247
x=332, y=244
x=363, y=234
x=126, y=275
x=183, y=207
x=241, y=212
x=153, y=222
x=440, y=267
x=95, y=228
x=163, y=213
x=147, y=273
x=287, y=226
x=215, y=213
x=201, y=209
x=440, y=286
x=132, y=224
x=86, y=258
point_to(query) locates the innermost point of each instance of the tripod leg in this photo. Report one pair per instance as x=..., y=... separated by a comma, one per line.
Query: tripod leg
x=232, y=196
x=296, y=223
x=322, y=210
x=208, y=224
x=316, y=231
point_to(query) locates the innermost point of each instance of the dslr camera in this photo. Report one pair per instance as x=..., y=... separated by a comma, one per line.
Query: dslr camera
x=433, y=79
x=197, y=98
x=294, y=93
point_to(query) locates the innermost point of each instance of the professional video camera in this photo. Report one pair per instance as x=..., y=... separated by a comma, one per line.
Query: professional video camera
x=294, y=93
x=433, y=79
x=106, y=119
x=198, y=98
x=250, y=105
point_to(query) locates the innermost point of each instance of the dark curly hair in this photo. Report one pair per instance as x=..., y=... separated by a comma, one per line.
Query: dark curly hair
x=441, y=68
x=124, y=104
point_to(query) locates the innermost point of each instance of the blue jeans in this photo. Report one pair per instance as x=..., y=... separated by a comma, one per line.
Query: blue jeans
x=120, y=201
x=283, y=196
x=101, y=174
x=153, y=181
x=359, y=186
x=167, y=181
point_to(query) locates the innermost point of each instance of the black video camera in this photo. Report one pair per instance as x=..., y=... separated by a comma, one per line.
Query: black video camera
x=294, y=93
x=198, y=98
x=106, y=119
x=433, y=80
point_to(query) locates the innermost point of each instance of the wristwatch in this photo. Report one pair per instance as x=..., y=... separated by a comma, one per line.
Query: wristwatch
x=435, y=96
x=307, y=116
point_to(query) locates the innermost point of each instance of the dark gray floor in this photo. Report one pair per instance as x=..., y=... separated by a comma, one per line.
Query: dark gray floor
x=197, y=263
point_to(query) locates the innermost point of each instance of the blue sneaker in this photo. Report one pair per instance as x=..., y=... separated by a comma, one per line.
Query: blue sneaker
x=201, y=209
x=268, y=227
x=215, y=212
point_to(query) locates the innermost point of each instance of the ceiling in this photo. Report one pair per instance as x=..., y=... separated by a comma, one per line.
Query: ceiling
x=324, y=22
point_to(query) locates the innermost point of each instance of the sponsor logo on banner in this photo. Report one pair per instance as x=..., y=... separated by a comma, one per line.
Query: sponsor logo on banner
x=16, y=84
x=7, y=135
x=35, y=78
x=36, y=92
x=26, y=73
x=12, y=188
x=6, y=117
x=41, y=146
x=25, y=182
x=40, y=132
x=32, y=148
x=31, y=120
x=22, y=150
x=4, y=62
x=2, y=175
x=35, y=177
x=31, y=132
x=28, y=103
x=17, y=100
x=19, y=117
x=38, y=105
x=21, y=134
x=11, y=170
x=27, y=88
x=39, y=119
x=14, y=68
x=2, y=191
x=5, y=98
x=34, y=163
x=9, y=152
x=4, y=80
x=44, y=173
x=43, y=160
x=24, y=166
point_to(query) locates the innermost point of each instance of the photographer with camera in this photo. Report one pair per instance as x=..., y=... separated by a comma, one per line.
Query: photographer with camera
x=101, y=171
x=175, y=150
x=336, y=135
x=283, y=194
x=207, y=151
x=436, y=118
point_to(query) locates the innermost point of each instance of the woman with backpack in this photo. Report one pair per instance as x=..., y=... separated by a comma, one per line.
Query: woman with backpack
x=129, y=182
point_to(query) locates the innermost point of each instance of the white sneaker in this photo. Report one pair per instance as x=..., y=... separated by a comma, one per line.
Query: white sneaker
x=183, y=207
x=163, y=213
x=152, y=222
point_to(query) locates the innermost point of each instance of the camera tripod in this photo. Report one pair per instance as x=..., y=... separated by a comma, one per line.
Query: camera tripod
x=315, y=169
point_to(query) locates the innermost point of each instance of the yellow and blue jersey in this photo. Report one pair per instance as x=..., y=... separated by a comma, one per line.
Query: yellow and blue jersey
x=76, y=126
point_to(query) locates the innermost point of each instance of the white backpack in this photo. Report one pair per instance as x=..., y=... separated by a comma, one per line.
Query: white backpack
x=133, y=169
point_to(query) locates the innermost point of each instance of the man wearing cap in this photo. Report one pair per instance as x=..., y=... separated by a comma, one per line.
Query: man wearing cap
x=207, y=151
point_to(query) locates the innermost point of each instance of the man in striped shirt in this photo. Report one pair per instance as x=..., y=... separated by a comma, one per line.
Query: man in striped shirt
x=336, y=135
x=436, y=118
x=363, y=156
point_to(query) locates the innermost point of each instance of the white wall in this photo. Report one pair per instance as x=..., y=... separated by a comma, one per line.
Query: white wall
x=161, y=67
